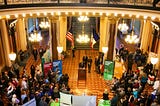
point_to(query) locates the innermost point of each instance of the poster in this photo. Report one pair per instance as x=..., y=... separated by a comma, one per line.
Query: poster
x=47, y=67
x=108, y=70
x=57, y=64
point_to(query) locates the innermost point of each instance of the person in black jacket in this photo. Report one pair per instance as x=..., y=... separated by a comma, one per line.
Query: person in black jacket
x=32, y=71
x=1, y=102
x=105, y=95
x=35, y=53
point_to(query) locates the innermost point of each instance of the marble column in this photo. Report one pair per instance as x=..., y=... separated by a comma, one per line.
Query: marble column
x=146, y=37
x=158, y=64
x=104, y=32
x=111, y=42
x=62, y=32
x=53, y=39
x=21, y=35
x=5, y=42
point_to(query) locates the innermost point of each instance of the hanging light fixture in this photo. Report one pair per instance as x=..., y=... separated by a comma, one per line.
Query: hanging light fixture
x=83, y=38
x=132, y=38
x=83, y=18
x=44, y=24
x=123, y=27
x=36, y=35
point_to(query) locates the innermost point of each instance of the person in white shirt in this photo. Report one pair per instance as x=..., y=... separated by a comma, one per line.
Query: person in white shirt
x=15, y=101
x=10, y=88
x=156, y=84
x=24, y=84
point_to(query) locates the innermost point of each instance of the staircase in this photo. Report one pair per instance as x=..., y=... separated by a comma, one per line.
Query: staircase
x=81, y=84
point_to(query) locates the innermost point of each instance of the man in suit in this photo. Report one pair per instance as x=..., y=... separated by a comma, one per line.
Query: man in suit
x=35, y=53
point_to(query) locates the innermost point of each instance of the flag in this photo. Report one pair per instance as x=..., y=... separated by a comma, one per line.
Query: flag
x=94, y=38
x=92, y=42
x=95, y=35
x=70, y=37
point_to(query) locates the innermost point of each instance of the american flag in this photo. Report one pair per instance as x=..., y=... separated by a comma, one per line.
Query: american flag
x=70, y=37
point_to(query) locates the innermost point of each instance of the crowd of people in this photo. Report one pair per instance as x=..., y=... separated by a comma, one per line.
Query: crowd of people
x=44, y=89
x=129, y=89
x=21, y=88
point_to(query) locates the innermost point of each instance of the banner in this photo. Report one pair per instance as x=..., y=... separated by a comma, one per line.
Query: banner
x=57, y=65
x=108, y=70
x=104, y=102
x=47, y=67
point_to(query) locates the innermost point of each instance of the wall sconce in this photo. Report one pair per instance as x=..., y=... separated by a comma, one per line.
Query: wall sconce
x=104, y=50
x=154, y=60
x=12, y=56
x=59, y=49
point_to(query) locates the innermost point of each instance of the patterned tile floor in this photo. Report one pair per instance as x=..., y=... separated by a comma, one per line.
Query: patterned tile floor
x=94, y=84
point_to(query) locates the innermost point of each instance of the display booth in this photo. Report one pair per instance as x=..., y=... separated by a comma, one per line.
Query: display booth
x=32, y=102
x=108, y=70
x=74, y=100
x=104, y=102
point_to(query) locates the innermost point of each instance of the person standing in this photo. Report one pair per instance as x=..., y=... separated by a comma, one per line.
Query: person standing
x=73, y=52
x=41, y=51
x=35, y=53
x=32, y=71
x=89, y=67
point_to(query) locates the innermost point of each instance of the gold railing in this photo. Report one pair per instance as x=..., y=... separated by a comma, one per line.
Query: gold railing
x=117, y=2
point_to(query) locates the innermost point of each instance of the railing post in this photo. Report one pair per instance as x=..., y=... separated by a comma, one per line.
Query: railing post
x=5, y=2
x=108, y=1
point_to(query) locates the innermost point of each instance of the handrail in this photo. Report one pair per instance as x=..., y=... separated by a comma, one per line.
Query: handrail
x=113, y=3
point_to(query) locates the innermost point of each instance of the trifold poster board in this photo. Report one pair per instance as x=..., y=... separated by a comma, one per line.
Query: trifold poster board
x=65, y=98
x=73, y=100
x=108, y=70
x=30, y=103
x=104, y=102
x=84, y=101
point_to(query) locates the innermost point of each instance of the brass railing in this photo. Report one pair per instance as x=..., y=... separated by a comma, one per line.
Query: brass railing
x=117, y=2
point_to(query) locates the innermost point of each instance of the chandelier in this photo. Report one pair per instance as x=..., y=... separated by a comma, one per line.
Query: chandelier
x=123, y=27
x=83, y=38
x=44, y=24
x=83, y=18
x=132, y=38
x=35, y=36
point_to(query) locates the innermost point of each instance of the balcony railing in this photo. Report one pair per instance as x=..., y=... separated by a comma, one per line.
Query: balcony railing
x=148, y=3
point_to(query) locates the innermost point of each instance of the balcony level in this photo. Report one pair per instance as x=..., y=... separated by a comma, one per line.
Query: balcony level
x=94, y=8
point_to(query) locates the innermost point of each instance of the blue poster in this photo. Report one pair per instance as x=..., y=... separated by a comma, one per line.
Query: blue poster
x=57, y=65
